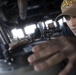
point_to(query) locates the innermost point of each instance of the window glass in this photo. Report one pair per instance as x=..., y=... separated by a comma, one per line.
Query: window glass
x=17, y=33
x=30, y=29
x=48, y=22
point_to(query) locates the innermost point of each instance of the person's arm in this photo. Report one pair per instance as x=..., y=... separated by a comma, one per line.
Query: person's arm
x=17, y=44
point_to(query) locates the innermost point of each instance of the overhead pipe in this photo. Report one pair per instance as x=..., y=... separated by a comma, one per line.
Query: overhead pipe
x=2, y=16
x=33, y=7
x=22, y=5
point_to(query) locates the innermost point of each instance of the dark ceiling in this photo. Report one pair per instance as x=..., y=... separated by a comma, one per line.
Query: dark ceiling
x=18, y=12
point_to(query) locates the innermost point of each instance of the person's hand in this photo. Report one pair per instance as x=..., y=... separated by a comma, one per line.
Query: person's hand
x=54, y=51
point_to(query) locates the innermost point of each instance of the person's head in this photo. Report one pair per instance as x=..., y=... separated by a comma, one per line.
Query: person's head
x=68, y=8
